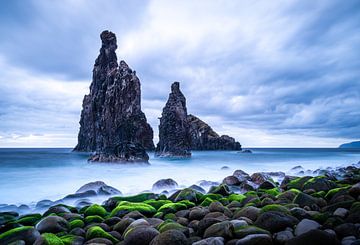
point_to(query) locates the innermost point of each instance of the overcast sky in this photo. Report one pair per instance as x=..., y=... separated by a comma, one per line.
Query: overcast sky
x=269, y=73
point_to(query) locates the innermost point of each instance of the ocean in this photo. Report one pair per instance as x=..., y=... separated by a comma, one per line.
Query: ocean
x=31, y=175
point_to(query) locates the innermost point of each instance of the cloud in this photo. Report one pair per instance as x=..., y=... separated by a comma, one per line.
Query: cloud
x=272, y=71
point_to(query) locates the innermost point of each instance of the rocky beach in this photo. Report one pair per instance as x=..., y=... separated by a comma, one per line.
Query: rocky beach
x=261, y=208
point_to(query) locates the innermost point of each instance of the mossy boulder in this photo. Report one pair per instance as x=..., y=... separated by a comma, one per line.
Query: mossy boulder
x=29, y=220
x=272, y=192
x=297, y=183
x=136, y=198
x=125, y=207
x=243, y=231
x=50, y=239
x=319, y=183
x=157, y=203
x=170, y=225
x=303, y=199
x=216, y=197
x=274, y=207
x=95, y=209
x=336, y=191
x=170, y=216
x=76, y=223
x=93, y=219
x=222, y=189
x=172, y=207
x=236, y=197
x=206, y=202
x=98, y=232
x=187, y=194
x=72, y=240
x=25, y=233
x=187, y=203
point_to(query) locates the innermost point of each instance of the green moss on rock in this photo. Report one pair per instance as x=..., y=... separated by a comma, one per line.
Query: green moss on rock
x=143, y=208
x=236, y=197
x=93, y=219
x=157, y=203
x=172, y=207
x=274, y=207
x=170, y=225
x=51, y=239
x=29, y=220
x=95, y=209
x=76, y=223
x=137, y=198
x=298, y=183
x=98, y=232
x=207, y=202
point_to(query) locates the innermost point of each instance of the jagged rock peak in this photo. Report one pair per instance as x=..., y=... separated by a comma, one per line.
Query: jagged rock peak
x=112, y=123
x=203, y=137
x=174, y=137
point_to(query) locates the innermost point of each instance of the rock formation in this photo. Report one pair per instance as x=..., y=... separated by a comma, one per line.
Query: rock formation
x=174, y=137
x=203, y=137
x=112, y=123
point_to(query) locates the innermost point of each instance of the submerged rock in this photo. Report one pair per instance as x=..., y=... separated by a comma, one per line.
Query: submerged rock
x=203, y=137
x=111, y=115
x=174, y=135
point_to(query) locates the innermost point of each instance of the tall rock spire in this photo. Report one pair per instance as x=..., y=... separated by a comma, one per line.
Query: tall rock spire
x=174, y=137
x=112, y=123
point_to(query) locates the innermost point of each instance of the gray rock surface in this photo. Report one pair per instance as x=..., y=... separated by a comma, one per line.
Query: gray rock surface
x=111, y=118
x=203, y=137
x=174, y=136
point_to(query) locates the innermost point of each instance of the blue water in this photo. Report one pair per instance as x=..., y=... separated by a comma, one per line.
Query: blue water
x=30, y=175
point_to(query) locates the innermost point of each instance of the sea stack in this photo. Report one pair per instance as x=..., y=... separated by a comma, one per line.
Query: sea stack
x=203, y=137
x=174, y=136
x=112, y=123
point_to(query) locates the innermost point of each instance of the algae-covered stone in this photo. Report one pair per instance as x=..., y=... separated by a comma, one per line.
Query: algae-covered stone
x=303, y=200
x=172, y=207
x=72, y=240
x=157, y=203
x=76, y=223
x=275, y=221
x=236, y=197
x=188, y=194
x=223, y=229
x=248, y=212
x=93, y=219
x=48, y=239
x=222, y=189
x=29, y=220
x=52, y=224
x=173, y=237
x=206, y=202
x=140, y=235
x=95, y=209
x=319, y=183
x=243, y=231
x=98, y=232
x=125, y=207
x=135, y=198
x=274, y=207
x=170, y=225
x=298, y=183
x=25, y=233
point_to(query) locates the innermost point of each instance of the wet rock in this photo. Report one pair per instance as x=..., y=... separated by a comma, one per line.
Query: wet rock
x=173, y=237
x=267, y=185
x=203, y=137
x=306, y=225
x=102, y=241
x=211, y=241
x=231, y=180
x=52, y=224
x=223, y=229
x=248, y=212
x=99, y=187
x=111, y=115
x=355, y=190
x=346, y=229
x=164, y=184
x=259, y=178
x=283, y=236
x=254, y=239
x=319, y=184
x=341, y=212
x=275, y=221
x=26, y=234
x=241, y=175
x=140, y=235
x=314, y=237
x=174, y=134
x=197, y=188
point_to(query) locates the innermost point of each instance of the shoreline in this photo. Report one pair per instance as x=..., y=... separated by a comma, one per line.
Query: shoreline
x=238, y=208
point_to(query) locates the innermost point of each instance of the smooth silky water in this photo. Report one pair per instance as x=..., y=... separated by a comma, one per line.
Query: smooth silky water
x=31, y=175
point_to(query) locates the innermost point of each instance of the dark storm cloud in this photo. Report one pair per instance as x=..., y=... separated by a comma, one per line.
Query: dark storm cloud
x=285, y=70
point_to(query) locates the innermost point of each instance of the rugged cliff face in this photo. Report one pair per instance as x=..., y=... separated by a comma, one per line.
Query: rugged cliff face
x=174, y=137
x=111, y=120
x=203, y=137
